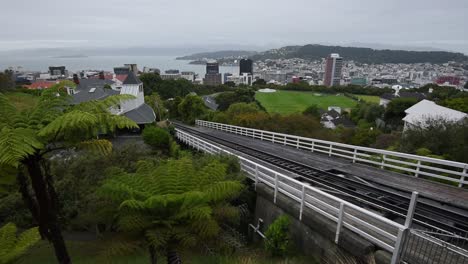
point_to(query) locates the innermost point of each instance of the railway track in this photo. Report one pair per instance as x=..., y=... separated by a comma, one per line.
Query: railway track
x=392, y=203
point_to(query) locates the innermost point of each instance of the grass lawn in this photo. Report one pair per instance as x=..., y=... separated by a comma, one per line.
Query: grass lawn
x=369, y=98
x=22, y=101
x=87, y=253
x=288, y=102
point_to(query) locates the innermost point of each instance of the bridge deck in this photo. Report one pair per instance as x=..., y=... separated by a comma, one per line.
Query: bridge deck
x=436, y=191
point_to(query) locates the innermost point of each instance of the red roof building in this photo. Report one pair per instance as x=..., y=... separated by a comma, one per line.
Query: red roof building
x=451, y=80
x=40, y=85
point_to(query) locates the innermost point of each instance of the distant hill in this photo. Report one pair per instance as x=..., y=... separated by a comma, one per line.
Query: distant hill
x=363, y=55
x=218, y=55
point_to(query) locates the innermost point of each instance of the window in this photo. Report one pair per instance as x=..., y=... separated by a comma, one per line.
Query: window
x=141, y=88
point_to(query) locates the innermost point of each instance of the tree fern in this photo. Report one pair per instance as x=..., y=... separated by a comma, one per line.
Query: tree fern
x=13, y=246
x=172, y=204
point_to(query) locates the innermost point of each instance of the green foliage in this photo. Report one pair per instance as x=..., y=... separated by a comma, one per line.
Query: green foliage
x=240, y=95
x=440, y=137
x=191, y=108
x=13, y=246
x=365, y=137
x=158, y=138
x=367, y=111
x=171, y=205
x=6, y=81
x=157, y=104
x=395, y=111
x=313, y=111
x=277, y=238
x=460, y=104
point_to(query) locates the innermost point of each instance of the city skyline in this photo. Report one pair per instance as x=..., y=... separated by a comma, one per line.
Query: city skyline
x=123, y=23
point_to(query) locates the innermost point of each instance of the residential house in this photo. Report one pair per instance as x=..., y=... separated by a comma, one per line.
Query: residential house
x=332, y=119
x=424, y=111
x=99, y=89
x=386, y=98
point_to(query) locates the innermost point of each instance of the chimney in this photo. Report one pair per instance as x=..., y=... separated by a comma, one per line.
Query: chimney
x=76, y=80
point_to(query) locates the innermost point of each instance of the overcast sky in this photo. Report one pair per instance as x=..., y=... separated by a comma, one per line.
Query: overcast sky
x=262, y=23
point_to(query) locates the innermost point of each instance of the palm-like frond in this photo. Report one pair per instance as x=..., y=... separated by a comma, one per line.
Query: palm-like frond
x=172, y=201
x=16, y=144
x=11, y=246
x=98, y=146
x=70, y=125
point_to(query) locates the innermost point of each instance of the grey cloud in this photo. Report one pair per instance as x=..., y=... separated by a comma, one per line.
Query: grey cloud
x=53, y=23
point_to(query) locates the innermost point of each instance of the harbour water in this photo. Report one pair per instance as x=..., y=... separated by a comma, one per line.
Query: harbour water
x=73, y=64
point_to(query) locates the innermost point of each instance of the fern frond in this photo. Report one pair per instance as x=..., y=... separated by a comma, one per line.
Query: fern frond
x=223, y=190
x=71, y=124
x=11, y=246
x=17, y=144
x=98, y=146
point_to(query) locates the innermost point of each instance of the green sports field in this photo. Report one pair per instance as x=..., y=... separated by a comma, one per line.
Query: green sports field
x=288, y=102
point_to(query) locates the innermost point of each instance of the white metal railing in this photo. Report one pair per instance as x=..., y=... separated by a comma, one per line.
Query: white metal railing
x=451, y=171
x=377, y=229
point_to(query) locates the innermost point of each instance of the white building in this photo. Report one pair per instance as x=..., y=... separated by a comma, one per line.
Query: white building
x=424, y=111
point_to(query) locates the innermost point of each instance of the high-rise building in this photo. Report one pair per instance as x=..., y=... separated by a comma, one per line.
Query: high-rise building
x=212, y=76
x=212, y=68
x=333, y=70
x=246, y=66
x=57, y=70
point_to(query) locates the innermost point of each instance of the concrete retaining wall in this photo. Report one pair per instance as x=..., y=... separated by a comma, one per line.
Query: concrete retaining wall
x=315, y=234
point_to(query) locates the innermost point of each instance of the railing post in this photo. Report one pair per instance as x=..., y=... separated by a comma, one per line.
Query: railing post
x=330, y=151
x=417, y=168
x=462, y=178
x=313, y=146
x=273, y=138
x=399, y=245
x=256, y=176
x=340, y=222
x=354, y=155
x=383, y=161
x=276, y=187
x=284, y=141
x=302, y=202
x=402, y=233
x=261, y=136
x=297, y=143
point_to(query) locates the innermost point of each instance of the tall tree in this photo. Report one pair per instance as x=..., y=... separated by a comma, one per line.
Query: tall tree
x=29, y=137
x=6, y=81
x=174, y=205
x=191, y=108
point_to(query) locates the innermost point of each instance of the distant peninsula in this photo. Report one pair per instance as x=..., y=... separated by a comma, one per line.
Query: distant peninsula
x=317, y=52
x=73, y=56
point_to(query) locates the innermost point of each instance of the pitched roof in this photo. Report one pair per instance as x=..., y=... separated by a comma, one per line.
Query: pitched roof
x=426, y=110
x=142, y=115
x=390, y=96
x=132, y=79
x=343, y=121
x=41, y=84
x=121, y=77
x=83, y=90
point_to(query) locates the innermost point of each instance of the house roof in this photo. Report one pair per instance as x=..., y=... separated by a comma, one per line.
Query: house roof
x=84, y=91
x=401, y=94
x=41, y=84
x=141, y=115
x=343, y=121
x=333, y=113
x=132, y=79
x=426, y=110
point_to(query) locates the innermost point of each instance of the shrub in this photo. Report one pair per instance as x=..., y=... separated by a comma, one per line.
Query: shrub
x=157, y=138
x=277, y=240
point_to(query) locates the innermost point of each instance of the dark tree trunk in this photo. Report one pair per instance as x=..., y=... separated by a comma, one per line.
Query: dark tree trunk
x=153, y=256
x=29, y=200
x=173, y=257
x=47, y=204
